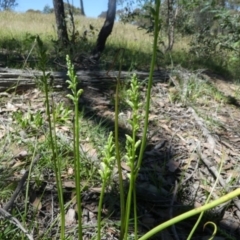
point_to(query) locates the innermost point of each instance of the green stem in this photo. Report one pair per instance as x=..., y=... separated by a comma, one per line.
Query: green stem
x=73, y=83
x=128, y=207
x=150, y=81
x=191, y=213
x=100, y=208
x=27, y=187
x=54, y=157
x=77, y=167
x=134, y=174
x=135, y=212
x=122, y=204
x=53, y=143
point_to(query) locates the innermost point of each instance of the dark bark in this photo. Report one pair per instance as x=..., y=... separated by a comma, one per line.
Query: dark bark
x=60, y=21
x=82, y=8
x=105, y=31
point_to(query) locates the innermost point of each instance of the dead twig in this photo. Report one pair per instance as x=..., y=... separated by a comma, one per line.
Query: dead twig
x=212, y=168
x=14, y=221
x=205, y=131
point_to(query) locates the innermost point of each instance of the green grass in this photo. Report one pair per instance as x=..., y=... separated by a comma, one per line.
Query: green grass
x=194, y=90
x=27, y=123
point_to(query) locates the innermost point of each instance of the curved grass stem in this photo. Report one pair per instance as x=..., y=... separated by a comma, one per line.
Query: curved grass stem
x=150, y=81
x=191, y=213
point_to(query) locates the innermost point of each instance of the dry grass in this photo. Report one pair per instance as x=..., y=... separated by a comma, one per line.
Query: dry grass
x=181, y=43
x=16, y=30
x=16, y=25
x=132, y=38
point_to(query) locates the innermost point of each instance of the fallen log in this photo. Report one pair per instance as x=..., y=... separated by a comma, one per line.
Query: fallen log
x=21, y=78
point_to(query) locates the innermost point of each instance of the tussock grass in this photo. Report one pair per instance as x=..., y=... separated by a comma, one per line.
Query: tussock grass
x=15, y=25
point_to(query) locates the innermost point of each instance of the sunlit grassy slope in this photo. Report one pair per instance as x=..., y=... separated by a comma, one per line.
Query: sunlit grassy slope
x=16, y=25
x=16, y=30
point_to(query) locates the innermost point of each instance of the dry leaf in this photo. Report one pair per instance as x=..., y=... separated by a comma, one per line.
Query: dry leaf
x=64, y=128
x=2, y=133
x=4, y=94
x=125, y=166
x=228, y=166
x=89, y=150
x=70, y=171
x=42, y=138
x=10, y=107
x=96, y=189
x=197, y=204
x=22, y=154
x=237, y=139
x=70, y=217
x=69, y=184
x=37, y=204
x=17, y=164
x=153, y=117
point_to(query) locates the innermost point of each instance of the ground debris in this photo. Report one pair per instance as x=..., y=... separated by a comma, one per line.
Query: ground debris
x=187, y=142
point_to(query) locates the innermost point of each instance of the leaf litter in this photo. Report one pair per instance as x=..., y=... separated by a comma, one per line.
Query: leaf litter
x=186, y=143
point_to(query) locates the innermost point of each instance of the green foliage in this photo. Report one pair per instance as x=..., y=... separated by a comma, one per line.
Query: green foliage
x=220, y=41
x=33, y=11
x=47, y=9
x=76, y=93
x=8, y=4
x=194, y=90
x=8, y=230
x=29, y=120
x=143, y=17
x=62, y=113
x=42, y=53
x=105, y=171
x=103, y=14
x=107, y=163
x=132, y=145
x=67, y=7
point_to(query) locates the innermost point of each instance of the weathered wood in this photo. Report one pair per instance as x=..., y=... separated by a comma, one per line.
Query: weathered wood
x=10, y=78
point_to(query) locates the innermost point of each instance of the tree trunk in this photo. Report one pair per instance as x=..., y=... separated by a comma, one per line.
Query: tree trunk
x=170, y=25
x=60, y=21
x=105, y=31
x=82, y=8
